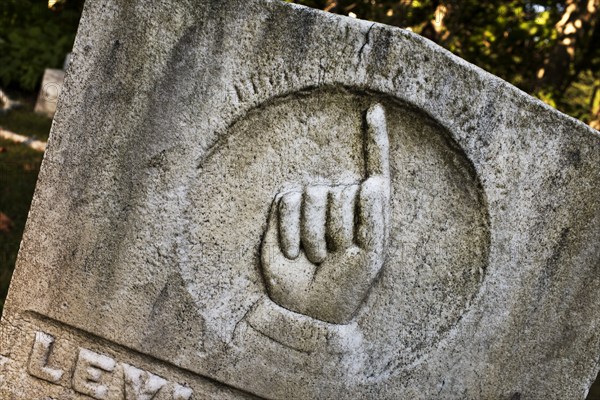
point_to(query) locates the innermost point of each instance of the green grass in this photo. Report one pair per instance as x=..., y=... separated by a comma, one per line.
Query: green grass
x=19, y=167
x=24, y=122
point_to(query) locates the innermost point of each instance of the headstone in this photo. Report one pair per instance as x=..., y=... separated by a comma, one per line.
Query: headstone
x=249, y=198
x=49, y=92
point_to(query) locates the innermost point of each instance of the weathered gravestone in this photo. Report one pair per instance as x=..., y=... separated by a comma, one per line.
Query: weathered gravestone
x=249, y=198
x=52, y=84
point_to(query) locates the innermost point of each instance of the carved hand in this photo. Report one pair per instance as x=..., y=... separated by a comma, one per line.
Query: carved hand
x=325, y=246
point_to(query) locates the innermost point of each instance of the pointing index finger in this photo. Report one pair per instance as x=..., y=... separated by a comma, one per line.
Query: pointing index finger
x=377, y=153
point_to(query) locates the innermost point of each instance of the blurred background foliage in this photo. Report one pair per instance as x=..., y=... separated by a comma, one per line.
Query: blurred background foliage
x=548, y=48
x=35, y=35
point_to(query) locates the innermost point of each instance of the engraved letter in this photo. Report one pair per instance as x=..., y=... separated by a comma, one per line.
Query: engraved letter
x=141, y=385
x=38, y=360
x=182, y=393
x=87, y=378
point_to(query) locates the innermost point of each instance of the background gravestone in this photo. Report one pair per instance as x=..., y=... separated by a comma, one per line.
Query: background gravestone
x=49, y=92
x=250, y=198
